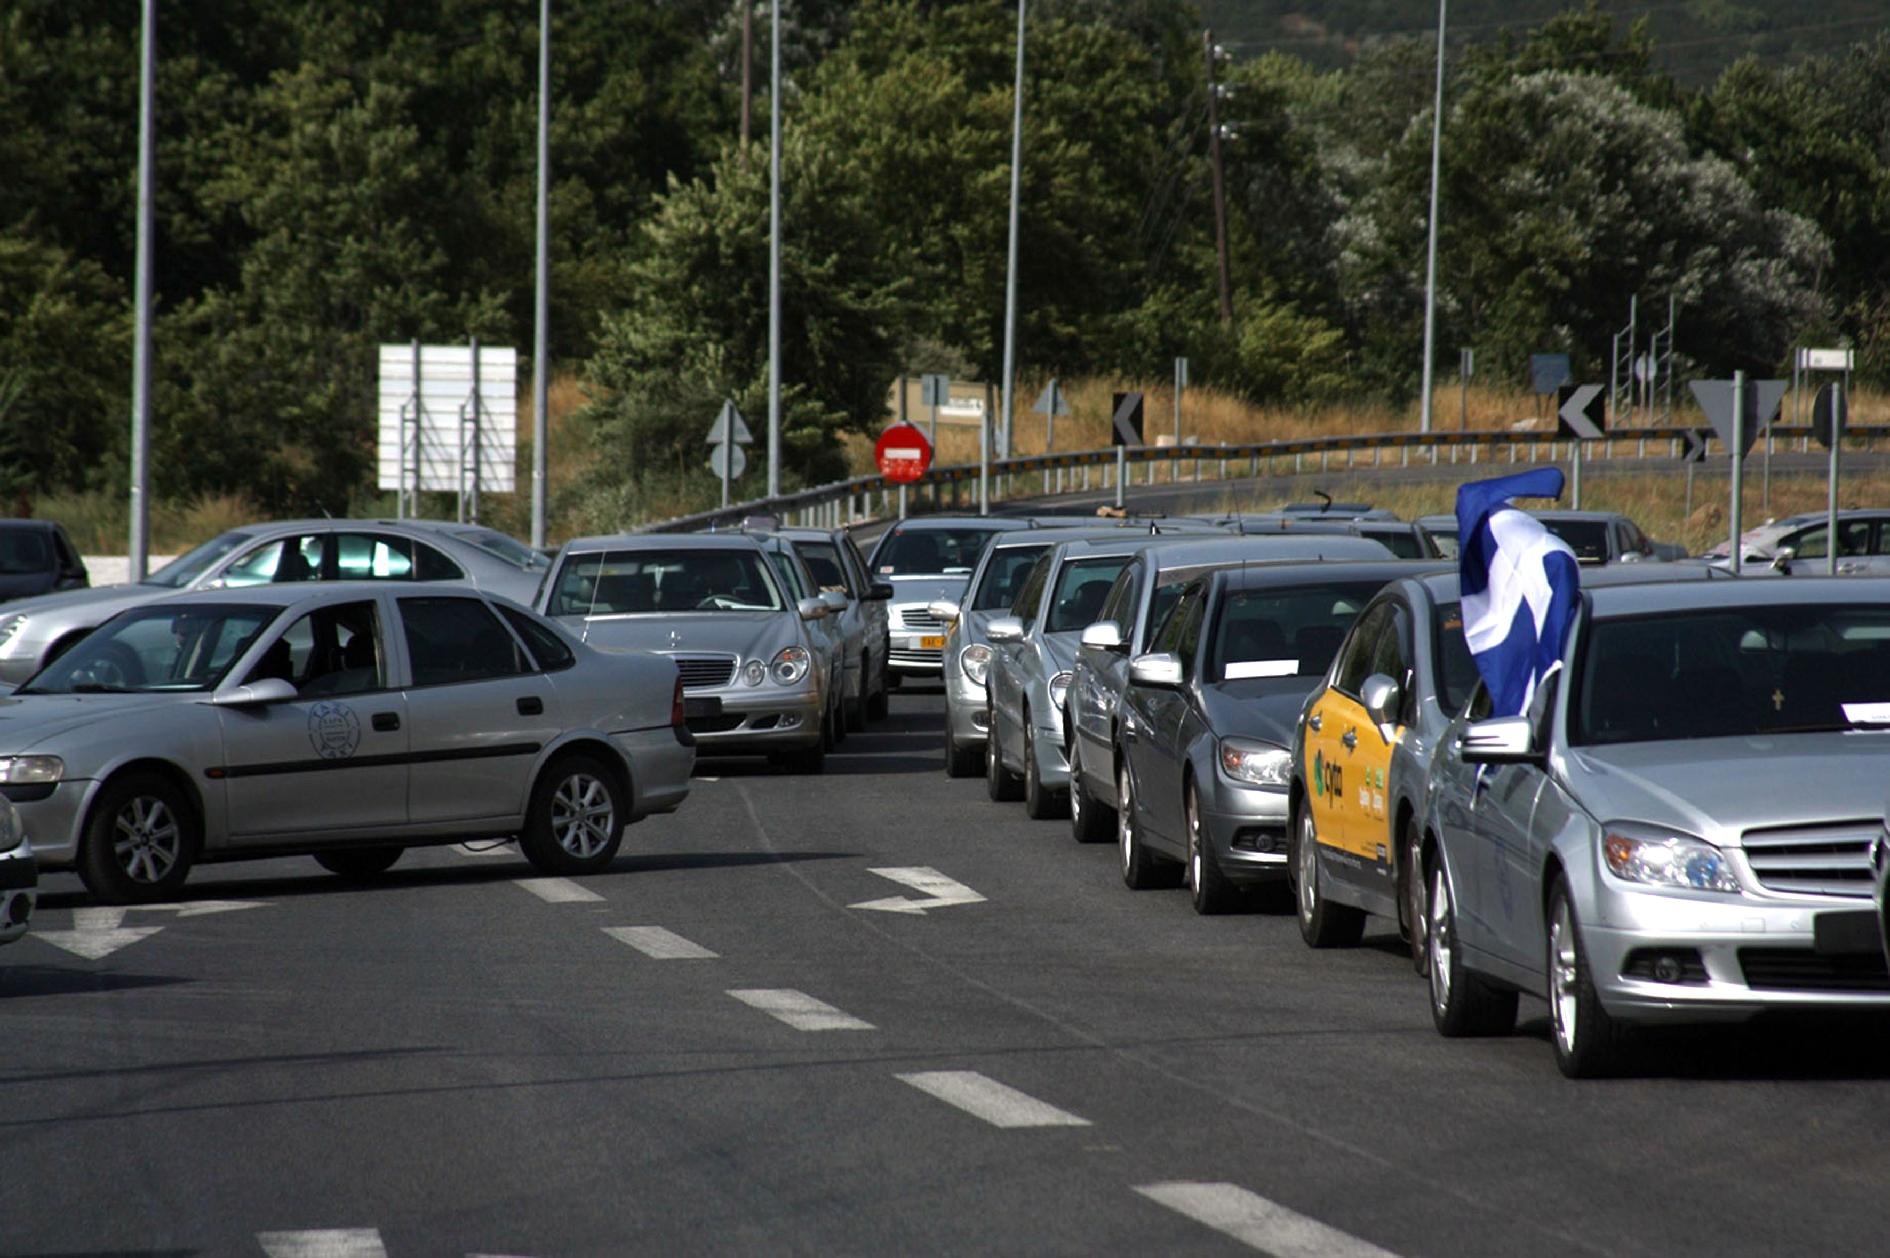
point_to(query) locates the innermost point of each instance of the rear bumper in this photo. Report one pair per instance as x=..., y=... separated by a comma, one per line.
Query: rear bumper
x=660, y=765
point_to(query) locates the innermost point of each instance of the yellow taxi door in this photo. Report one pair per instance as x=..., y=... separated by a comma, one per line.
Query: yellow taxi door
x=1337, y=731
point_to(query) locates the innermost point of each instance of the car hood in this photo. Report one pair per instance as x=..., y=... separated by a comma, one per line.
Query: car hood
x=1717, y=788
x=924, y=589
x=735, y=633
x=1266, y=708
x=29, y=721
x=97, y=604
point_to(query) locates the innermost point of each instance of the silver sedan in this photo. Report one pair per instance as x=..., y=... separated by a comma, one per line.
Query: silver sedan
x=349, y=721
x=1681, y=827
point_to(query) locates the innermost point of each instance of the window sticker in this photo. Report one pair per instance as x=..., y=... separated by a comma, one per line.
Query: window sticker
x=1261, y=668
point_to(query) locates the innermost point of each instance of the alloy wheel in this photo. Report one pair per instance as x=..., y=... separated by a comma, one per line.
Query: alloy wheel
x=147, y=839
x=583, y=815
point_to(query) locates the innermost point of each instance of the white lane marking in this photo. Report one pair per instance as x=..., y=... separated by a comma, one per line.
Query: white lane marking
x=494, y=848
x=334, y=1242
x=1264, y=1225
x=943, y=892
x=799, y=1010
x=986, y=1098
x=98, y=932
x=663, y=945
x=558, y=890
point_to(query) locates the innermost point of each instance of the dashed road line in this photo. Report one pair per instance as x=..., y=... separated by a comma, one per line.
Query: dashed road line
x=663, y=945
x=799, y=1010
x=559, y=890
x=334, y=1242
x=984, y=1097
x=1259, y=1223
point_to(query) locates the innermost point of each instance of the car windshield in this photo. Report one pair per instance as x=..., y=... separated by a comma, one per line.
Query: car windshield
x=1733, y=671
x=909, y=552
x=499, y=546
x=24, y=551
x=1082, y=586
x=1004, y=577
x=1455, y=667
x=162, y=647
x=823, y=560
x=187, y=567
x=1587, y=538
x=1291, y=632
x=618, y=582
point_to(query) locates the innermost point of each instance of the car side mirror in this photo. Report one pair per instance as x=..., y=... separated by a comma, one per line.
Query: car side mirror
x=1380, y=695
x=1158, y=669
x=1501, y=740
x=834, y=599
x=1104, y=635
x=256, y=694
x=880, y=591
x=1004, y=629
x=1782, y=561
x=811, y=608
x=943, y=609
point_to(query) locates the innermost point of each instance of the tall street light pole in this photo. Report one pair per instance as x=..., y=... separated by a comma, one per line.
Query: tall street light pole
x=1430, y=266
x=1220, y=186
x=1010, y=269
x=748, y=77
x=774, y=250
x=141, y=343
x=541, y=426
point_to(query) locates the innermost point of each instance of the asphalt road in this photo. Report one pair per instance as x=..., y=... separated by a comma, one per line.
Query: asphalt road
x=461, y=1059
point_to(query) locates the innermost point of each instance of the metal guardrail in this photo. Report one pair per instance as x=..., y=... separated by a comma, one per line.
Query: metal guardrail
x=844, y=502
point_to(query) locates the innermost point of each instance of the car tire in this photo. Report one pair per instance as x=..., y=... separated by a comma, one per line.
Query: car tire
x=1141, y=868
x=1413, y=892
x=1462, y=1003
x=140, y=840
x=1040, y=802
x=836, y=724
x=1090, y=821
x=999, y=782
x=1589, y=1042
x=856, y=709
x=879, y=703
x=1322, y=924
x=1208, y=887
x=359, y=864
x=574, y=823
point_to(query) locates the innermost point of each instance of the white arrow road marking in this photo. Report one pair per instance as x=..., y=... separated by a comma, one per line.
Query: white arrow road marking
x=943, y=891
x=984, y=1097
x=558, y=890
x=98, y=932
x=663, y=945
x=799, y=1010
x=334, y=1242
x=1264, y=1225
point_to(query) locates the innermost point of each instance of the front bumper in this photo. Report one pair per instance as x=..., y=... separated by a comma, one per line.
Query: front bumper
x=915, y=640
x=19, y=889
x=1248, y=828
x=1735, y=958
x=660, y=765
x=1053, y=757
x=758, y=721
x=967, y=710
x=53, y=823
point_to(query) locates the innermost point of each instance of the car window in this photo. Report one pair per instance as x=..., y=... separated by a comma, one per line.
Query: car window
x=1587, y=538
x=930, y=551
x=790, y=574
x=1082, y=585
x=1167, y=636
x=24, y=551
x=1356, y=656
x=68, y=557
x=1193, y=609
x=1402, y=542
x=1030, y=596
x=1284, y=632
x=499, y=546
x=158, y=647
x=457, y=640
x=1115, y=608
x=187, y=567
x=619, y=582
x=855, y=560
x=300, y=558
x=331, y=651
x=543, y=641
x=1166, y=595
x=1455, y=667
x=1004, y=577
x=1392, y=655
x=823, y=560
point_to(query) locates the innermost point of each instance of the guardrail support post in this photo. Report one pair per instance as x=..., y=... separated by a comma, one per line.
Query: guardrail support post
x=1122, y=469
x=902, y=502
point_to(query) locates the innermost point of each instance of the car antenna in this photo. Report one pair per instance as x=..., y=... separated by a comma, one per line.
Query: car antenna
x=1325, y=500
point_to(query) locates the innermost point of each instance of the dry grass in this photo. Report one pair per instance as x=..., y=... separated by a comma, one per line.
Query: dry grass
x=100, y=523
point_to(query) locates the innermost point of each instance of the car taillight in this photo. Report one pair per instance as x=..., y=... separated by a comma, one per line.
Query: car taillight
x=676, y=706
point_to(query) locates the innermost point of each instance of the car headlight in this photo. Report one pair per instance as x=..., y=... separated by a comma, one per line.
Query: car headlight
x=1661, y=858
x=31, y=770
x=754, y=672
x=1059, y=689
x=789, y=665
x=976, y=661
x=11, y=626
x=1256, y=764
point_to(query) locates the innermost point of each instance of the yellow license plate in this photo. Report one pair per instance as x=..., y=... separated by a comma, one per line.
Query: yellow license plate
x=932, y=642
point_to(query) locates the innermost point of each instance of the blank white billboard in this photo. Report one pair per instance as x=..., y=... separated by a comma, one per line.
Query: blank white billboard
x=446, y=421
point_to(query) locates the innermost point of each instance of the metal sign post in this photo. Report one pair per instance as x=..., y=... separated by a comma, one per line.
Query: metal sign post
x=935, y=391
x=1579, y=418
x=1739, y=412
x=1466, y=367
x=1828, y=421
x=1738, y=462
x=1050, y=404
x=727, y=435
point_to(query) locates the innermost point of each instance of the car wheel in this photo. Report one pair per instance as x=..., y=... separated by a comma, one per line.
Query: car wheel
x=856, y=708
x=1462, y=1003
x=1322, y=924
x=1208, y=887
x=139, y=841
x=1040, y=802
x=576, y=817
x=1411, y=891
x=358, y=864
x=837, y=721
x=999, y=782
x=878, y=704
x=1141, y=868
x=1089, y=820
x=1589, y=1043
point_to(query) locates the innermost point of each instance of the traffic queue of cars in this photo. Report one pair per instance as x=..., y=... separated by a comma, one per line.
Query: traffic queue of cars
x=1242, y=716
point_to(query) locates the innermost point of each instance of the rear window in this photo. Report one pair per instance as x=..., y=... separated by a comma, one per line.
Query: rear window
x=1587, y=538
x=930, y=552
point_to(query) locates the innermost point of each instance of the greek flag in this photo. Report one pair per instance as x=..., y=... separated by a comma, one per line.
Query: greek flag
x=1519, y=585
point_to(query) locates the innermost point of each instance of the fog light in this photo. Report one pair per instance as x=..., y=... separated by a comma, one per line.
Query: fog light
x=1666, y=965
x=1667, y=970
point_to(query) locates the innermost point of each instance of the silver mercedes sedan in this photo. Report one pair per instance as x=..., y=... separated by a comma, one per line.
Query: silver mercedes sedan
x=34, y=631
x=757, y=675
x=1679, y=829
x=347, y=720
x=927, y=560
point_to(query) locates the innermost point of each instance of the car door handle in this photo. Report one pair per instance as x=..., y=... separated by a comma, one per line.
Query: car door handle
x=386, y=722
x=531, y=705
x=1350, y=739
x=1315, y=721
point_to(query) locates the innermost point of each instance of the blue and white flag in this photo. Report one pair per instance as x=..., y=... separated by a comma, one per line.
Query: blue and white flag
x=1520, y=584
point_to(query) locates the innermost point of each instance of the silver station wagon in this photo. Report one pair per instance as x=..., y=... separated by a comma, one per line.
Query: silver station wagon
x=347, y=720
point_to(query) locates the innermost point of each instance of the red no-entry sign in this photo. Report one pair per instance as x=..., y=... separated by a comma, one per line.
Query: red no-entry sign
x=902, y=453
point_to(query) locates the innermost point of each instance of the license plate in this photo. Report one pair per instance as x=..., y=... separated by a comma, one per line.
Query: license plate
x=932, y=642
x=1846, y=932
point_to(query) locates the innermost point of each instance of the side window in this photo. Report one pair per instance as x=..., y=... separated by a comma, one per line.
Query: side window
x=1542, y=707
x=1882, y=545
x=1167, y=638
x=1025, y=608
x=457, y=640
x=1808, y=544
x=1854, y=537
x=331, y=651
x=823, y=561
x=373, y=557
x=550, y=649
x=1160, y=602
x=789, y=574
x=68, y=557
x=1479, y=705
x=855, y=565
x=1359, y=651
x=1189, y=645
x=1115, y=608
x=257, y=567
x=430, y=565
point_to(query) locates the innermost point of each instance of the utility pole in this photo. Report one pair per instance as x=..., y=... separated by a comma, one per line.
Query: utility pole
x=774, y=251
x=1430, y=266
x=141, y=343
x=541, y=300
x=748, y=63
x=1009, y=383
x=1220, y=183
